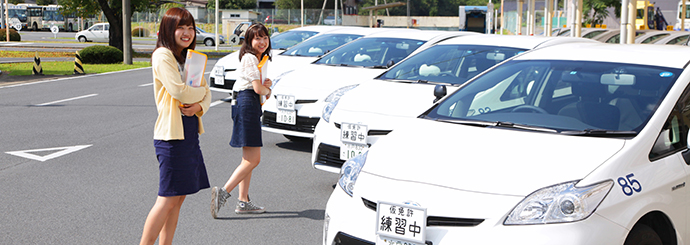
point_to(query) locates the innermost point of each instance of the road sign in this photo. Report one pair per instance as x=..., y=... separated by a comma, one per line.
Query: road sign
x=54, y=30
x=16, y=24
x=234, y=39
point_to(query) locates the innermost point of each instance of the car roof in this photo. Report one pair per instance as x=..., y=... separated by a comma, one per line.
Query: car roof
x=653, y=55
x=674, y=34
x=515, y=41
x=314, y=28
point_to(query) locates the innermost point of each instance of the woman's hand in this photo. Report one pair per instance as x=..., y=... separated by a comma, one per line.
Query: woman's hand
x=190, y=109
x=268, y=83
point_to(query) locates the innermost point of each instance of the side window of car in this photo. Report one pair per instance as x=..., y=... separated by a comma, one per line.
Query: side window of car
x=673, y=135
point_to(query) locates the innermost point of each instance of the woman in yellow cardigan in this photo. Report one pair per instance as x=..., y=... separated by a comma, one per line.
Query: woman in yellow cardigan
x=176, y=134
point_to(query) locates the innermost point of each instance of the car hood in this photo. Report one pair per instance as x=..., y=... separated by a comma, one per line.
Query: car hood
x=388, y=98
x=282, y=63
x=318, y=81
x=485, y=160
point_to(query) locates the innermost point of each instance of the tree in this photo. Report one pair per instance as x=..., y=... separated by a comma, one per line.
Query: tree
x=112, y=9
x=45, y=2
x=232, y=4
x=15, y=1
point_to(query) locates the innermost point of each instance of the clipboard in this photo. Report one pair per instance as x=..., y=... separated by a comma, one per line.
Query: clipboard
x=194, y=67
x=263, y=70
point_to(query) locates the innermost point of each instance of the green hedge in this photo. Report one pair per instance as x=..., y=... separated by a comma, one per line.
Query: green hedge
x=98, y=54
x=14, y=35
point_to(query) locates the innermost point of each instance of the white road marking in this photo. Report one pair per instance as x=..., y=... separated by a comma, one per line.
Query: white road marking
x=145, y=84
x=59, y=101
x=218, y=102
x=61, y=151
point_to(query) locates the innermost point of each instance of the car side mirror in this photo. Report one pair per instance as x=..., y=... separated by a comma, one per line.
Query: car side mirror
x=439, y=92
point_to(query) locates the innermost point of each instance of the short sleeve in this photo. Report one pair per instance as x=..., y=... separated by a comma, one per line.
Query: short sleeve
x=250, y=68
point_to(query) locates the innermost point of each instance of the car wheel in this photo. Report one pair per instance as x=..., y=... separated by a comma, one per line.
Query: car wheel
x=82, y=39
x=296, y=139
x=209, y=42
x=642, y=235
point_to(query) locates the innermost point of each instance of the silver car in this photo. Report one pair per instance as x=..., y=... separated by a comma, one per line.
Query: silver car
x=208, y=39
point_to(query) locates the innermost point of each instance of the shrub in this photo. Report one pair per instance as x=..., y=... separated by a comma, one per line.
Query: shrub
x=98, y=54
x=140, y=32
x=14, y=35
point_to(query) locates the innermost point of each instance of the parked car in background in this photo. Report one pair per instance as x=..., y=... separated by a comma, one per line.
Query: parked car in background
x=223, y=75
x=271, y=20
x=582, y=143
x=207, y=38
x=373, y=108
x=330, y=20
x=298, y=96
x=97, y=32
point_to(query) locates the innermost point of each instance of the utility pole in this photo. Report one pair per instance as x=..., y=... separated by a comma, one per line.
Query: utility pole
x=216, y=42
x=7, y=21
x=126, y=33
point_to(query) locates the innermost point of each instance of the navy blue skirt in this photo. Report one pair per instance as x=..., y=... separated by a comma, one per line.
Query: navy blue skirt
x=246, y=118
x=181, y=165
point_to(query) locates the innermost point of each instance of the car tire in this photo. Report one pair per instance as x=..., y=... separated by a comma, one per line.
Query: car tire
x=296, y=139
x=642, y=235
x=209, y=42
x=82, y=39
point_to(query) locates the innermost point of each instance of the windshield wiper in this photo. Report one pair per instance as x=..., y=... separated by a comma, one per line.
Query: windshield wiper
x=523, y=126
x=377, y=67
x=600, y=132
x=464, y=122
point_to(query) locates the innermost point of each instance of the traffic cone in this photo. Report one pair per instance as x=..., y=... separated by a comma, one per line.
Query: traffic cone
x=78, y=69
x=37, y=70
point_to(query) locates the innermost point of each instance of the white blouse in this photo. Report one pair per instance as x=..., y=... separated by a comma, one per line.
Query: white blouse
x=248, y=72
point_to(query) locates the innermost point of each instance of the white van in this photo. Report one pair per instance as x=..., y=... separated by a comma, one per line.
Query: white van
x=592, y=149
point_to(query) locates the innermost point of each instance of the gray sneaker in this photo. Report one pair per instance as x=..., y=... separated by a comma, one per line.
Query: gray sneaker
x=218, y=198
x=248, y=208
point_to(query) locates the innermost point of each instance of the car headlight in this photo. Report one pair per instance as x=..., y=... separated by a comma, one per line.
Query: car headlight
x=350, y=171
x=332, y=100
x=559, y=204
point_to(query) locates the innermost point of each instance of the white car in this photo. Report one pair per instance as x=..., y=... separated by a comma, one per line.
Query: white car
x=582, y=143
x=297, y=98
x=207, y=38
x=97, y=32
x=354, y=120
x=223, y=75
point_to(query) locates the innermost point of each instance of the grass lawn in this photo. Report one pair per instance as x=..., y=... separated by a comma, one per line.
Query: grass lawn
x=66, y=67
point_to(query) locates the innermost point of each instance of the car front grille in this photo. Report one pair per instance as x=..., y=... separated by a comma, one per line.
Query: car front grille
x=437, y=220
x=329, y=155
x=226, y=85
x=372, y=132
x=302, y=124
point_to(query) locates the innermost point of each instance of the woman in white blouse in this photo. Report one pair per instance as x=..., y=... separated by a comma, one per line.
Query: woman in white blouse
x=246, y=117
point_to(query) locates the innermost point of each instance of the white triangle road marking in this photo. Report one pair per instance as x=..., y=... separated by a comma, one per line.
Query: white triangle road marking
x=60, y=151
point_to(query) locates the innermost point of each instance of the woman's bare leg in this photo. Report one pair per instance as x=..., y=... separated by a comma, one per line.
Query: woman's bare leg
x=158, y=217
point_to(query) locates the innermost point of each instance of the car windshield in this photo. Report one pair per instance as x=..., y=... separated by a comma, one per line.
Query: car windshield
x=570, y=97
x=320, y=45
x=290, y=38
x=371, y=52
x=452, y=64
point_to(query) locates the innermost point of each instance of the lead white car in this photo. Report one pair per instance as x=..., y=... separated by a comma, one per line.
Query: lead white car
x=223, y=75
x=354, y=120
x=297, y=98
x=581, y=143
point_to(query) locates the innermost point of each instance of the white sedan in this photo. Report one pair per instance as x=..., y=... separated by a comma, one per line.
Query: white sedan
x=297, y=98
x=97, y=32
x=223, y=75
x=352, y=121
x=582, y=143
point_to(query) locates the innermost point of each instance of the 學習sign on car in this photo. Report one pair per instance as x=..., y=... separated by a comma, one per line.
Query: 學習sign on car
x=582, y=143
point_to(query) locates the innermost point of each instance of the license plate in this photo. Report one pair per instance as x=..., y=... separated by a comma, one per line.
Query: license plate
x=286, y=116
x=285, y=102
x=219, y=75
x=348, y=150
x=353, y=133
x=400, y=224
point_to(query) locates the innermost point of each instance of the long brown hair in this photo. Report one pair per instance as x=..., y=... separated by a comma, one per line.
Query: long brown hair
x=260, y=30
x=173, y=18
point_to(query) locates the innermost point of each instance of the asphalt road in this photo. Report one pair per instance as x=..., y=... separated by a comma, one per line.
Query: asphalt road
x=77, y=166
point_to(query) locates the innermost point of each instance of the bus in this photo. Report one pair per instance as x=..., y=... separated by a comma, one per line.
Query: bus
x=17, y=11
x=645, y=19
x=45, y=17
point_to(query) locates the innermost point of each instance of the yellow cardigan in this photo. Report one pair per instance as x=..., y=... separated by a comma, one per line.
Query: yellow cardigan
x=170, y=91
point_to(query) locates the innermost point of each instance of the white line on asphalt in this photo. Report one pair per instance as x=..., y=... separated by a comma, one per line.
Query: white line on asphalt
x=59, y=101
x=218, y=102
x=69, y=78
x=146, y=84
